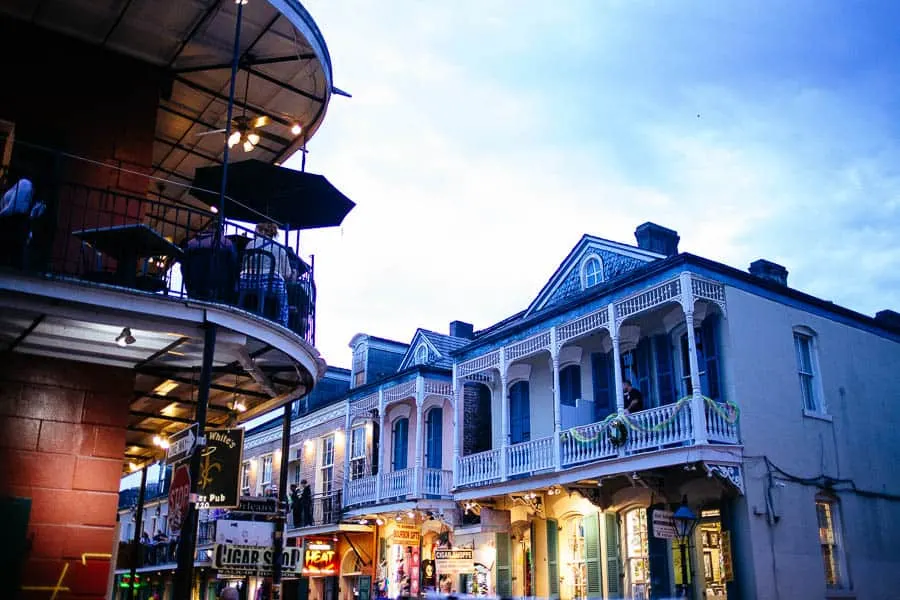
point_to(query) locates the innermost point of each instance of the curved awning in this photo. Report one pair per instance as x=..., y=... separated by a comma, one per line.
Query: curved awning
x=285, y=73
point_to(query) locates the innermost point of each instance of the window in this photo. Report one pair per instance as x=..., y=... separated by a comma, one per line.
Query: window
x=400, y=443
x=830, y=540
x=421, y=354
x=434, y=425
x=327, y=468
x=591, y=272
x=357, y=452
x=804, y=347
x=265, y=473
x=359, y=365
x=570, y=385
x=706, y=338
x=637, y=552
x=245, y=478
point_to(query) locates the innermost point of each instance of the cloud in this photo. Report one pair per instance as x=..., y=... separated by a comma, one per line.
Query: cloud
x=484, y=139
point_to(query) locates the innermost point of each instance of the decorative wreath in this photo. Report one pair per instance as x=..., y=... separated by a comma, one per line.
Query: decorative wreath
x=618, y=432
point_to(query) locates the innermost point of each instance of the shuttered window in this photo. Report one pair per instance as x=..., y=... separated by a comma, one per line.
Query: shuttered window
x=665, y=381
x=553, y=557
x=504, y=571
x=570, y=385
x=602, y=381
x=613, y=560
x=592, y=556
x=434, y=438
x=400, y=443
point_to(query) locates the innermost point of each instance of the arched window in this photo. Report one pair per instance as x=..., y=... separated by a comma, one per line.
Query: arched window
x=591, y=272
x=421, y=354
x=570, y=385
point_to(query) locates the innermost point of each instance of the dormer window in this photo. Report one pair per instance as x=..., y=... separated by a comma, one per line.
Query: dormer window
x=591, y=272
x=422, y=354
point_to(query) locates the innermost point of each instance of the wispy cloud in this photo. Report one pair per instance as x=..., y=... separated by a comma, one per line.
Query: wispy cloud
x=484, y=138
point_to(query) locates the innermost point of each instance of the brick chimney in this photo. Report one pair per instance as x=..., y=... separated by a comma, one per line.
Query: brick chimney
x=657, y=238
x=888, y=318
x=766, y=269
x=462, y=329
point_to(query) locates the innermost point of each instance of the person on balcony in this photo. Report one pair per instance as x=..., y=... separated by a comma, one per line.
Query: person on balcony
x=259, y=275
x=634, y=399
x=306, y=505
x=209, y=266
x=296, y=513
x=15, y=208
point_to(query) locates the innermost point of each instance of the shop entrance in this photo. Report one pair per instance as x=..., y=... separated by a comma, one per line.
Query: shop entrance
x=713, y=555
x=637, y=555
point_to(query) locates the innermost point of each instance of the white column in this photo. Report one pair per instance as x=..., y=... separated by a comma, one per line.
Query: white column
x=698, y=410
x=617, y=360
x=504, y=414
x=420, y=436
x=348, y=438
x=382, y=443
x=458, y=421
x=557, y=402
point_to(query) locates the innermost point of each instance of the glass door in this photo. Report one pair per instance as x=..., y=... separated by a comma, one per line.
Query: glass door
x=637, y=554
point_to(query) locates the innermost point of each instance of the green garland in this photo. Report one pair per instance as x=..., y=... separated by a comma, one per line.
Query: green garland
x=731, y=417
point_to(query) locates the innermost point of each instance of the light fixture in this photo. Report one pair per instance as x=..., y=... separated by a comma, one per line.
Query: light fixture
x=379, y=522
x=685, y=521
x=125, y=338
x=214, y=209
x=242, y=2
x=411, y=515
x=238, y=406
x=165, y=387
x=296, y=129
x=132, y=466
x=248, y=145
x=234, y=139
x=253, y=138
x=363, y=522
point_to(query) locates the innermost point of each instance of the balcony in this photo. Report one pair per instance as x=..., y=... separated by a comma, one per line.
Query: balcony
x=670, y=426
x=398, y=486
x=326, y=510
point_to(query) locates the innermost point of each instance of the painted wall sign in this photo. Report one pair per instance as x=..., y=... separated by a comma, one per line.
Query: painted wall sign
x=256, y=505
x=320, y=558
x=406, y=534
x=663, y=524
x=220, y=467
x=237, y=559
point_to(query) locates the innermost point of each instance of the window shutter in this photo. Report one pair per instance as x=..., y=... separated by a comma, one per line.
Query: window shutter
x=665, y=381
x=434, y=447
x=519, y=413
x=553, y=557
x=658, y=550
x=601, y=380
x=708, y=331
x=401, y=431
x=643, y=358
x=592, y=556
x=569, y=385
x=613, y=564
x=504, y=571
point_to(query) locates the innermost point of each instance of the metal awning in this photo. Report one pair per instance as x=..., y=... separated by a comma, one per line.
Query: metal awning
x=282, y=53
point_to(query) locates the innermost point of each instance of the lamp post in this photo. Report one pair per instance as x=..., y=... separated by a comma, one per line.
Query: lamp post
x=685, y=522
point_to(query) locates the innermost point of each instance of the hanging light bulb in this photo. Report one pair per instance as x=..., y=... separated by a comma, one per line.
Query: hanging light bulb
x=239, y=406
x=234, y=138
x=248, y=146
x=296, y=129
x=157, y=441
x=253, y=138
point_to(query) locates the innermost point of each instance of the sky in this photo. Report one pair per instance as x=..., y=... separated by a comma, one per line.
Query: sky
x=483, y=139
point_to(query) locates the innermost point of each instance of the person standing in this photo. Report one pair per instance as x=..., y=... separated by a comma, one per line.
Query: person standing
x=634, y=399
x=306, y=504
x=296, y=512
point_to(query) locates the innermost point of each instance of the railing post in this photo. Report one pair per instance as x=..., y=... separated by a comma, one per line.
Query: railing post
x=698, y=412
x=458, y=424
x=557, y=401
x=348, y=442
x=382, y=442
x=420, y=436
x=504, y=415
x=617, y=365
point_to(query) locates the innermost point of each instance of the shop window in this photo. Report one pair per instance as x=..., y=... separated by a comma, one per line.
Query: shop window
x=830, y=541
x=574, y=557
x=358, y=452
x=265, y=474
x=637, y=554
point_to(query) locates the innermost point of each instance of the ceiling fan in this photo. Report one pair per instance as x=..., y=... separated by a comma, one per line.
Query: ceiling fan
x=246, y=130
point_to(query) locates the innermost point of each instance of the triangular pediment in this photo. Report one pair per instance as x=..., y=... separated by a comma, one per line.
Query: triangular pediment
x=593, y=261
x=419, y=341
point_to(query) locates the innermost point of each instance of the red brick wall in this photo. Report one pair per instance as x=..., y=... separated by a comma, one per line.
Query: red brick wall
x=62, y=440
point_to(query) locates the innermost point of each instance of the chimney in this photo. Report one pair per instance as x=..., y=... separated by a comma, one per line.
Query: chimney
x=461, y=329
x=888, y=318
x=766, y=269
x=657, y=238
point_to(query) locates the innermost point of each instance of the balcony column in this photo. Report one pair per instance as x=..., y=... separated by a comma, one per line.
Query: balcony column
x=348, y=441
x=458, y=424
x=698, y=410
x=557, y=401
x=504, y=414
x=617, y=366
x=382, y=442
x=420, y=436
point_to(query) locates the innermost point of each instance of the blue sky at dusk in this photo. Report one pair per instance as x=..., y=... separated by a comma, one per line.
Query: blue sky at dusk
x=484, y=138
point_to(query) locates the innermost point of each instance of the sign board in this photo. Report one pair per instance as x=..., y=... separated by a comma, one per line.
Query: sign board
x=220, y=469
x=663, y=525
x=238, y=559
x=179, y=495
x=319, y=558
x=451, y=563
x=406, y=535
x=244, y=533
x=256, y=505
x=727, y=563
x=181, y=445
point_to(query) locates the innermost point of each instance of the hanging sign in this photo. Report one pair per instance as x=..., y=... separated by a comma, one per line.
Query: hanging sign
x=238, y=559
x=220, y=467
x=663, y=525
x=319, y=558
x=727, y=564
x=459, y=560
x=182, y=444
x=406, y=535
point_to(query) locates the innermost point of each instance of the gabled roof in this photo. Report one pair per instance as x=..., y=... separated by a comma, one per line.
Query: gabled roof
x=439, y=348
x=565, y=283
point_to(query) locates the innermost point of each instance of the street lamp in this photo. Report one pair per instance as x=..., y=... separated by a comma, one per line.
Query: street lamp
x=685, y=521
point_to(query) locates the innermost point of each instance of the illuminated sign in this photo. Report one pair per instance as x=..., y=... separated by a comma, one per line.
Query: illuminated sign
x=406, y=534
x=239, y=559
x=319, y=558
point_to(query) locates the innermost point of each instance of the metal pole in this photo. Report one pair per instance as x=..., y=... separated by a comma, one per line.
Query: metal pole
x=235, y=59
x=684, y=583
x=281, y=517
x=188, y=539
x=138, y=528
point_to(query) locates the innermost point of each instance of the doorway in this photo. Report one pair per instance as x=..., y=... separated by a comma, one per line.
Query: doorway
x=712, y=556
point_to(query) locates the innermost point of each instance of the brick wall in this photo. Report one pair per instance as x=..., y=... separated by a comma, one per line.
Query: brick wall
x=476, y=420
x=62, y=440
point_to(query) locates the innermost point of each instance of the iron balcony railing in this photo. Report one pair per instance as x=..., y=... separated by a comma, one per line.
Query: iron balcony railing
x=326, y=509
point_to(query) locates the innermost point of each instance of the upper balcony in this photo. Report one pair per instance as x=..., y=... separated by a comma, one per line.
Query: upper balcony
x=383, y=467
x=667, y=340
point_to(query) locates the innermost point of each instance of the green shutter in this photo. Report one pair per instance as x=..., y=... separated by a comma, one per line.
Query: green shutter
x=592, y=556
x=613, y=564
x=553, y=557
x=504, y=571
